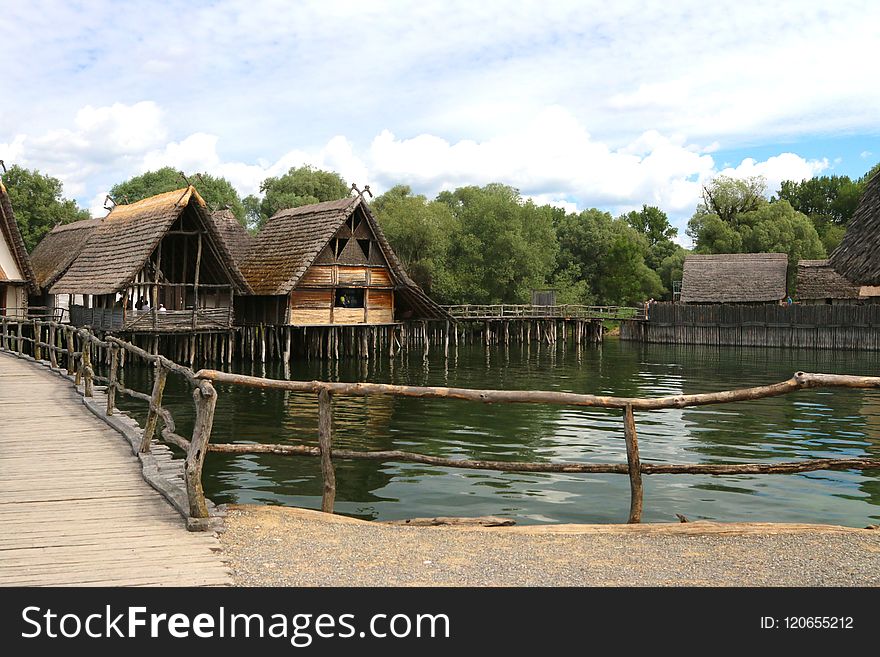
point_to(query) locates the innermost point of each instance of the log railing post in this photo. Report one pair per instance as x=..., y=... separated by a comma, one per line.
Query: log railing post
x=325, y=438
x=632, y=459
x=18, y=335
x=78, y=378
x=205, y=398
x=86, y=367
x=155, y=404
x=111, y=385
x=38, y=352
x=53, y=357
x=4, y=344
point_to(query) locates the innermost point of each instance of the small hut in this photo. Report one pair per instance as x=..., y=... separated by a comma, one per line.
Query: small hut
x=858, y=256
x=328, y=264
x=734, y=278
x=52, y=257
x=819, y=283
x=154, y=266
x=16, y=274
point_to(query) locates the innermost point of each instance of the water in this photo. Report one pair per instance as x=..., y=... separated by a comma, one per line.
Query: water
x=813, y=423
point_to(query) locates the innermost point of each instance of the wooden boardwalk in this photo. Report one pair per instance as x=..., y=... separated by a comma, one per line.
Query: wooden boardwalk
x=74, y=507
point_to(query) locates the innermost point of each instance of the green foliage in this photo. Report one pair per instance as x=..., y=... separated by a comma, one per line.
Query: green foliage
x=299, y=186
x=37, y=203
x=824, y=199
x=671, y=270
x=217, y=192
x=420, y=231
x=608, y=256
x=503, y=246
x=728, y=197
x=653, y=223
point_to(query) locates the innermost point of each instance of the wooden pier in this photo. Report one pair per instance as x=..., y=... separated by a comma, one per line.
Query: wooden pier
x=74, y=506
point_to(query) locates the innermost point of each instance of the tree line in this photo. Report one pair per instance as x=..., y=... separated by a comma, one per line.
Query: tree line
x=490, y=245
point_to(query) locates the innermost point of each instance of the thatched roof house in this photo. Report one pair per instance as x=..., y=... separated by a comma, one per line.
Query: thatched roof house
x=166, y=250
x=858, y=256
x=16, y=274
x=58, y=249
x=329, y=263
x=818, y=282
x=734, y=278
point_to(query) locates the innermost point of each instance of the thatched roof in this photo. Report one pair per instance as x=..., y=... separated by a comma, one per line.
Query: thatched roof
x=292, y=240
x=123, y=242
x=58, y=249
x=234, y=235
x=734, y=278
x=858, y=256
x=817, y=279
x=10, y=233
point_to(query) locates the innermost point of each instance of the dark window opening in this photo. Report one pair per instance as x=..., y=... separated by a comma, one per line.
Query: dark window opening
x=340, y=245
x=349, y=298
x=365, y=247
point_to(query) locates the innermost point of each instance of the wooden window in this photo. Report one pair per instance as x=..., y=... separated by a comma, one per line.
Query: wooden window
x=349, y=297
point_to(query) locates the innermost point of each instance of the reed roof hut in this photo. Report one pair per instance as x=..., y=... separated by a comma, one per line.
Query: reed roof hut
x=329, y=263
x=58, y=249
x=734, y=278
x=166, y=250
x=817, y=281
x=16, y=273
x=858, y=256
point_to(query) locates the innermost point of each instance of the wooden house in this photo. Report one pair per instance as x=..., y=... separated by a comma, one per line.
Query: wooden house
x=734, y=278
x=328, y=264
x=52, y=257
x=16, y=274
x=818, y=283
x=858, y=256
x=158, y=265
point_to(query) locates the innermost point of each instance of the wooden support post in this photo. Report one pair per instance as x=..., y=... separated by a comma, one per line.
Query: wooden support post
x=53, y=358
x=325, y=438
x=4, y=344
x=205, y=398
x=155, y=404
x=632, y=459
x=38, y=352
x=18, y=336
x=86, y=368
x=111, y=386
x=196, y=281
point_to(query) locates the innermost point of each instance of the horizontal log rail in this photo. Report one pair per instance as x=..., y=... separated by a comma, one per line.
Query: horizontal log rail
x=205, y=399
x=528, y=311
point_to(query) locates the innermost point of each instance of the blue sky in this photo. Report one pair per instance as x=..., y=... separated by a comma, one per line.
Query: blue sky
x=579, y=104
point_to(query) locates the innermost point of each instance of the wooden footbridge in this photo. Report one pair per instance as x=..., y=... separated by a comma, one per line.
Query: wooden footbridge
x=567, y=312
x=75, y=508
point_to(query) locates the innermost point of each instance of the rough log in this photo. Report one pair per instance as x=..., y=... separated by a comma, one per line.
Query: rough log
x=483, y=521
x=155, y=404
x=325, y=438
x=799, y=381
x=633, y=465
x=111, y=387
x=205, y=398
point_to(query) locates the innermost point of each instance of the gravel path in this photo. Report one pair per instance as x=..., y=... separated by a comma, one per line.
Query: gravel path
x=274, y=546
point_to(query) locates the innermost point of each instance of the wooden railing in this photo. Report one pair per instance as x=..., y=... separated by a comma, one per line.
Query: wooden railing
x=205, y=400
x=526, y=311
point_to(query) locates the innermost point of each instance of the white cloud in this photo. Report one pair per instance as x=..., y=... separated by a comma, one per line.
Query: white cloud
x=865, y=154
x=785, y=166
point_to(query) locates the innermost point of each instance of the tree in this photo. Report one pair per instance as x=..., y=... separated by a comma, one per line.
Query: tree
x=826, y=198
x=299, y=186
x=728, y=197
x=502, y=249
x=653, y=223
x=672, y=268
x=608, y=256
x=217, y=192
x=420, y=232
x=37, y=203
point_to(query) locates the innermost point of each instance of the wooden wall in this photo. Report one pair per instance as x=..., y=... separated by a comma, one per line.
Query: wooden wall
x=855, y=326
x=312, y=302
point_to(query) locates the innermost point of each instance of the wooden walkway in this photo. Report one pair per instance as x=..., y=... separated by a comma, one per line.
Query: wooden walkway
x=74, y=507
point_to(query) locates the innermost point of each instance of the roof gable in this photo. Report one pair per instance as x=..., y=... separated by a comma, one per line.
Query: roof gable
x=858, y=256
x=734, y=278
x=10, y=233
x=817, y=279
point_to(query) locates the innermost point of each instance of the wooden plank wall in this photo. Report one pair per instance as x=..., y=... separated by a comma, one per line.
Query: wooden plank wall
x=796, y=326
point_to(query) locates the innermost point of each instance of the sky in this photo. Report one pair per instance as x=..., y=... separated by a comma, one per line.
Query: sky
x=577, y=104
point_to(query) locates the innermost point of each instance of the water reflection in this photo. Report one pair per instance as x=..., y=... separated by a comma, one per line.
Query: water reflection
x=812, y=423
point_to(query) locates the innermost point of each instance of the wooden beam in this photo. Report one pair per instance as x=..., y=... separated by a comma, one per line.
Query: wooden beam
x=633, y=465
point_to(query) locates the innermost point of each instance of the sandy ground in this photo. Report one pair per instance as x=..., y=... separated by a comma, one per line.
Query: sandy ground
x=275, y=546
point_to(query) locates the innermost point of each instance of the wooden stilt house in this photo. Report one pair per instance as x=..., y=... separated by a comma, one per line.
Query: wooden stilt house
x=52, y=257
x=328, y=264
x=158, y=265
x=16, y=274
x=858, y=256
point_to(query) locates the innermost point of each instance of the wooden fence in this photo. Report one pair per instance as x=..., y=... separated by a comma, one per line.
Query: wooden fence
x=526, y=311
x=63, y=339
x=796, y=326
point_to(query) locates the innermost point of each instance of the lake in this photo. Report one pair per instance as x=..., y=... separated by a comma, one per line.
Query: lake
x=811, y=423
